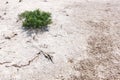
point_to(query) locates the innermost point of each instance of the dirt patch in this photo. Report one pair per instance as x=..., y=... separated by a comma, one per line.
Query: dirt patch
x=103, y=61
x=100, y=44
x=102, y=26
x=102, y=64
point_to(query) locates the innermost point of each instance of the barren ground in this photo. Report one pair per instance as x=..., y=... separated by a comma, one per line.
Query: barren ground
x=83, y=41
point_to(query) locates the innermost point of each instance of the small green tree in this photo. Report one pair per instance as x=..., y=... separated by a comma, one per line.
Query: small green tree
x=35, y=19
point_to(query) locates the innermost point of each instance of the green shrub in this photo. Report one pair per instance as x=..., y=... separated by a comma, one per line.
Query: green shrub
x=35, y=19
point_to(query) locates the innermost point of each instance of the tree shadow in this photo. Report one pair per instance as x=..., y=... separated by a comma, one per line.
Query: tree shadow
x=32, y=31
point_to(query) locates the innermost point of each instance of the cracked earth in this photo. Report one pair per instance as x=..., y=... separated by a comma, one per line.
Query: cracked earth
x=82, y=43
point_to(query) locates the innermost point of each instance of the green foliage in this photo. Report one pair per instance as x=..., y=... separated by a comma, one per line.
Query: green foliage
x=35, y=19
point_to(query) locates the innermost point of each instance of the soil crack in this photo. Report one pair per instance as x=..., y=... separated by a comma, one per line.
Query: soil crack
x=2, y=63
x=27, y=64
x=46, y=55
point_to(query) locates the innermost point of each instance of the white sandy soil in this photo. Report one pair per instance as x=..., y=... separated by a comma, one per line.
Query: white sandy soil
x=83, y=41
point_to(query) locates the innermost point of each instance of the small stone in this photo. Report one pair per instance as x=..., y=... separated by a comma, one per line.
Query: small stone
x=2, y=18
x=7, y=2
x=5, y=13
x=17, y=21
x=7, y=37
x=45, y=0
x=67, y=15
x=20, y=0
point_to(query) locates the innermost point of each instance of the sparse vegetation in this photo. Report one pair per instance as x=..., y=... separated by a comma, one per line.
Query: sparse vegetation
x=35, y=19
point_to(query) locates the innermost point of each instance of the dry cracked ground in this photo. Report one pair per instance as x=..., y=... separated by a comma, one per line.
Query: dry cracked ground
x=82, y=43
